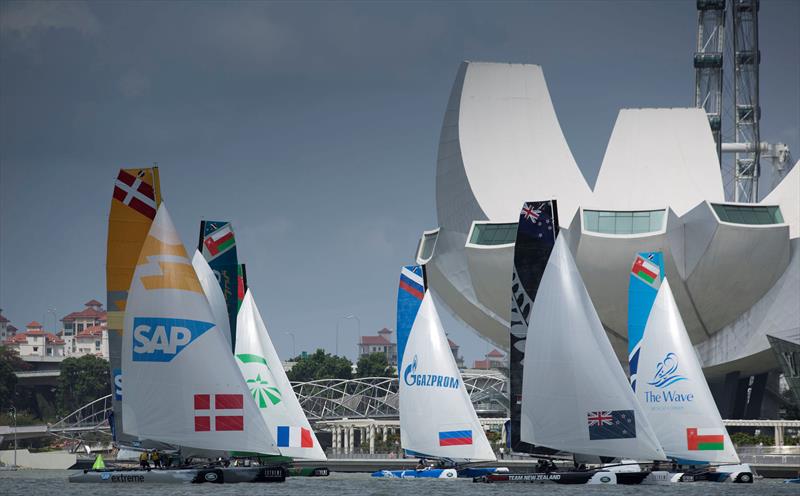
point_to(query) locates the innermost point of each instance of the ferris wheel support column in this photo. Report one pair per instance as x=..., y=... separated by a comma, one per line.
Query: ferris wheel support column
x=708, y=64
x=747, y=110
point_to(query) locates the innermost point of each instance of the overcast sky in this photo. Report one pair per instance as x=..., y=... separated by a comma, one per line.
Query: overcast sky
x=313, y=127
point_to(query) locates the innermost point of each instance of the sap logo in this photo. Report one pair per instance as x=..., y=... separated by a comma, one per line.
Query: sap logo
x=158, y=339
x=667, y=372
x=411, y=378
x=117, y=384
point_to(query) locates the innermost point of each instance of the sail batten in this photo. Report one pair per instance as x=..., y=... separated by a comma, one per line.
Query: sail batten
x=576, y=396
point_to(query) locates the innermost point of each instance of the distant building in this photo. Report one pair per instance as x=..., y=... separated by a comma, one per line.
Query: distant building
x=492, y=360
x=382, y=343
x=6, y=329
x=385, y=343
x=91, y=341
x=84, y=331
x=454, y=349
x=92, y=315
x=35, y=343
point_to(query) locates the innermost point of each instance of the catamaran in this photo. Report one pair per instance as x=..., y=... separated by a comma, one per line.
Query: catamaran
x=671, y=386
x=270, y=387
x=171, y=395
x=255, y=354
x=576, y=398
x=437, y=420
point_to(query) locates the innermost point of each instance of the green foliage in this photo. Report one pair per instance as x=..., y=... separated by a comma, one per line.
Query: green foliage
x=320, y=365
x=746, y=439
x=9, y=363
x=82, y=380
x=373, y=365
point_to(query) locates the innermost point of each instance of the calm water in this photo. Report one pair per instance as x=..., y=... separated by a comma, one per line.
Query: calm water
x=54, y=483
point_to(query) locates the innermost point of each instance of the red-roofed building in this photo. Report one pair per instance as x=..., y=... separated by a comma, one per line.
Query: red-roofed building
x=91, y=341
x=92, y=315
x=382, y=343
x=36, y=343
x=493, y=360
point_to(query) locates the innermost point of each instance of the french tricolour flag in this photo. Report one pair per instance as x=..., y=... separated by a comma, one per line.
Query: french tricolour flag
x=455, y=438
x=294, y=437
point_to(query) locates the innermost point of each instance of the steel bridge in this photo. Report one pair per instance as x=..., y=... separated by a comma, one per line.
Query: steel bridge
x=377, y=397
x=322, y=400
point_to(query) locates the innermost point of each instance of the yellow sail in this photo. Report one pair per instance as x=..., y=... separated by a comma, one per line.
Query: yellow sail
x=136, y=197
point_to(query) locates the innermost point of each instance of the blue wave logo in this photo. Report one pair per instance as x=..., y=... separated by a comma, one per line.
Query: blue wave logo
x=411, y=378
x=667, y=372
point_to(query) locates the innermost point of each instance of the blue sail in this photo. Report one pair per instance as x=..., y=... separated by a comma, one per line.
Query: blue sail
x=647, y=272
x=409, y=298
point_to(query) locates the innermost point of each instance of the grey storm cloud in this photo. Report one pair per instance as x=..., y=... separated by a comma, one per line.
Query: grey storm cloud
x=312, y=126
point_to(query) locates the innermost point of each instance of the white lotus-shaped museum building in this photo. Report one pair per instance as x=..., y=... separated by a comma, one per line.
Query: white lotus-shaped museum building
x=734, y=268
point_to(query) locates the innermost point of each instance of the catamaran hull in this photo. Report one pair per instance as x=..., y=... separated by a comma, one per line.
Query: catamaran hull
x=182, y=476
x=741, y=477
x=308, y=472
x=606, y=478
x=434, y=473
x=472, y=472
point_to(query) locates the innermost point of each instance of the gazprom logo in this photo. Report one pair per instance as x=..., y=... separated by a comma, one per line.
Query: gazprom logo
x=157, y=339
x=412, y=378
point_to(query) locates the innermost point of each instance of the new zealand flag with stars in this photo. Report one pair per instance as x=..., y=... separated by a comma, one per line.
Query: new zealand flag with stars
x=611, y=424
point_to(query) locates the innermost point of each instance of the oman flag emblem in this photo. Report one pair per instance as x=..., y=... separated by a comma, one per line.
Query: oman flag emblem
x=218, y=412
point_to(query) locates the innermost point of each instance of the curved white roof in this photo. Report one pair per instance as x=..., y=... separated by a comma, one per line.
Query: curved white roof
x=787, y=196
x=501, y=145
x=658, y=158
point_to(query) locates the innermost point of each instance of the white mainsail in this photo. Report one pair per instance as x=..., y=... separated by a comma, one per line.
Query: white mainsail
x=673, y=390
x=575, y=395
x=436, y=414
x=213, y=291
x=269, y=386
x=171, y=393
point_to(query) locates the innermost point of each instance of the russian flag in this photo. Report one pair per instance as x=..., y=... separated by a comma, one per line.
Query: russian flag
x=294, y=437
x=455, y=438
x=412, y=283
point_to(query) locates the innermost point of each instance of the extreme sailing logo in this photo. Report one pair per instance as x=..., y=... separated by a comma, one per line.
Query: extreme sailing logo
x=412, y=378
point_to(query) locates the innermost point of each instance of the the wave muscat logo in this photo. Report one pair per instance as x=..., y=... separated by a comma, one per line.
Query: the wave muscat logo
x=157, y=339
x=665, y=376
x=412, y=378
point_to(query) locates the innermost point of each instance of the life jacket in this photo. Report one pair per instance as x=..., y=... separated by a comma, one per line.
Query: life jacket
x=143, y=456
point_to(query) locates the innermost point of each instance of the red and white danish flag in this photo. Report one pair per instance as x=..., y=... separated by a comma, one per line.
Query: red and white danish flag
x=226, y=411
x=135, y=193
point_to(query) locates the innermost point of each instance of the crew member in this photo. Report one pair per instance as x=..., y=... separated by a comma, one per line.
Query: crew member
x=143, y=460
x=156, y=458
